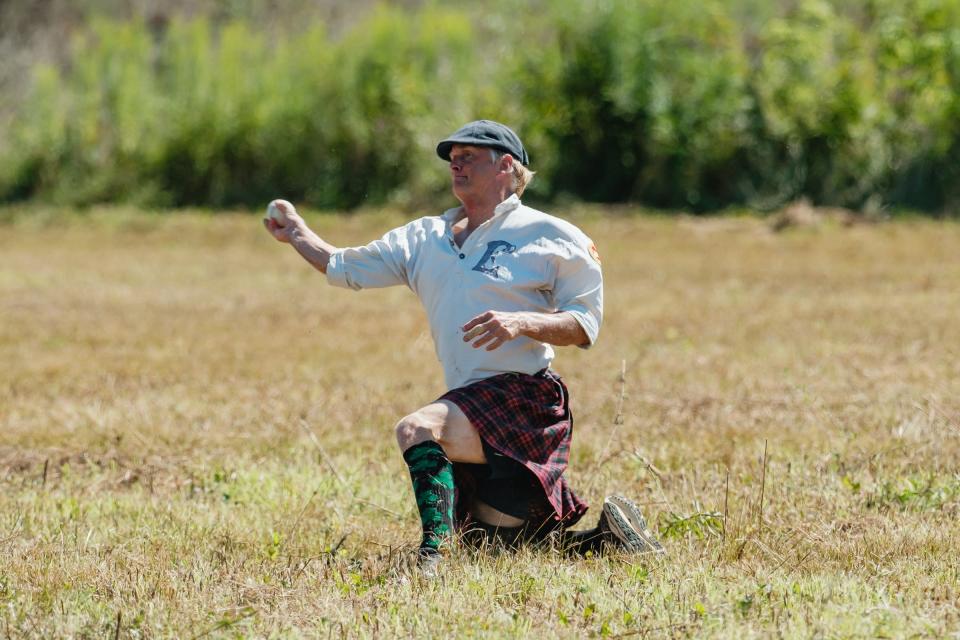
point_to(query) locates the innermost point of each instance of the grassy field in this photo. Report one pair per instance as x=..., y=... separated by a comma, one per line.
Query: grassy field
x=196, y=437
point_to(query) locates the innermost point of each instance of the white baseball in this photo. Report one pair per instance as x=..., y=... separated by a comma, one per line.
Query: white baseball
x=273, y=211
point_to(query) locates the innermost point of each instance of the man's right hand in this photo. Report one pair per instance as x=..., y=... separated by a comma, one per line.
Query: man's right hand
x=283, y=229
x=292, y=229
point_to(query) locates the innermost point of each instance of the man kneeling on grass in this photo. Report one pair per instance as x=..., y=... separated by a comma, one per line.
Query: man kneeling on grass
x=502, y=284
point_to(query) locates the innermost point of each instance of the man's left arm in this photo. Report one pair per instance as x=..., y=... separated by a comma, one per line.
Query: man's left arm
x=577, y=296
x=560, y=329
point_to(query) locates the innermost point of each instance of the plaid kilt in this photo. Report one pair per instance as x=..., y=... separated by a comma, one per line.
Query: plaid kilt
x=526, y=418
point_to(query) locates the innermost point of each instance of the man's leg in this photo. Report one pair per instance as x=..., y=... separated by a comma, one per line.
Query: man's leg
x=431, y=439
x=488, y=515
x=622, y=527
x=442, y=422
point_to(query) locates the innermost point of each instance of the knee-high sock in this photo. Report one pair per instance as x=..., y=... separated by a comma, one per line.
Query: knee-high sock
x=432, y=475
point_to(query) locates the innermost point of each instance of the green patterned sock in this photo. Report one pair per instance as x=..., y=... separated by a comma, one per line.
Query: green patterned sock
x=432, y=475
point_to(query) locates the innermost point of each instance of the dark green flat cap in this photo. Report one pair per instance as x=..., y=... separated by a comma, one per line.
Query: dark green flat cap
x=485, y=133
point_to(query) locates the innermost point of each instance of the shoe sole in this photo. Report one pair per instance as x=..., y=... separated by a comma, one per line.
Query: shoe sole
x=628, y=525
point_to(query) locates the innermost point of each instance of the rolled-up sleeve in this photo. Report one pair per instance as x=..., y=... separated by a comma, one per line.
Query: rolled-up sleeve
x=382, y=263
x=578, y=287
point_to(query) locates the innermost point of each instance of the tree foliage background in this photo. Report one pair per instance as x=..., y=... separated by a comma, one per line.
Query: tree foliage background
x=698, y=105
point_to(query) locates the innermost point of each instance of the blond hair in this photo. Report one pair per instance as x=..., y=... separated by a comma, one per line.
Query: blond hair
x=521, y=175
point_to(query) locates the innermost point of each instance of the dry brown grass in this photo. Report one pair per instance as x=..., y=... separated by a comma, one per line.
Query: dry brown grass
x=159, y=376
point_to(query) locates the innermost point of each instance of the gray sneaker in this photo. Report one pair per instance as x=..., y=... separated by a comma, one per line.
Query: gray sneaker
x=428, y=563
x=624, y=526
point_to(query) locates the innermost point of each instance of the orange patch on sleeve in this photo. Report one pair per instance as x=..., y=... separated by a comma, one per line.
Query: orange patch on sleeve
x=594, y=253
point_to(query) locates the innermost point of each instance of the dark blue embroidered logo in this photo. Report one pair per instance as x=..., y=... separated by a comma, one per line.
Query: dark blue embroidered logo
x=488, y=263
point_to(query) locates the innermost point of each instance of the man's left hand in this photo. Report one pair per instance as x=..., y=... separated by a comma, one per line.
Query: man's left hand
x=493, y=328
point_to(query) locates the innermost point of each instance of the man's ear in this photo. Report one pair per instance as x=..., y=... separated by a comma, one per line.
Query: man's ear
x=506, y=163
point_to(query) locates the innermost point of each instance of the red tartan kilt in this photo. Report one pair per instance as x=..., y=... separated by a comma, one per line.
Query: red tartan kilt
x=527, y=418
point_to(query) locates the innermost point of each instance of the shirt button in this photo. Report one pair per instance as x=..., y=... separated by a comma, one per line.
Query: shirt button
x=462, y=256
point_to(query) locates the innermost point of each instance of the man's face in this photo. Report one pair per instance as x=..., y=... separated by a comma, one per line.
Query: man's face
x=473, y=171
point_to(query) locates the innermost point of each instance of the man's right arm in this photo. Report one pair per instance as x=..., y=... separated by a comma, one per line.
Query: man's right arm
x=382, y=263
x=293, y=230
x=312, y=247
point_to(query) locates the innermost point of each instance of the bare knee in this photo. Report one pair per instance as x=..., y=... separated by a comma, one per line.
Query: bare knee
x=413, y=430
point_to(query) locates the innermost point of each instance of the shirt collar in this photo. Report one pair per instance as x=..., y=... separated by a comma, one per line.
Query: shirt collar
x=508, y=205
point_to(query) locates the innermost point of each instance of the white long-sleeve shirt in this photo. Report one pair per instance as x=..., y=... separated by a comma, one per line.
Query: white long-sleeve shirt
x=521, y=259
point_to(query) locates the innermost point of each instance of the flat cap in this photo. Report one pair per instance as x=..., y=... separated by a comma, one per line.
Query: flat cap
x=485, y=133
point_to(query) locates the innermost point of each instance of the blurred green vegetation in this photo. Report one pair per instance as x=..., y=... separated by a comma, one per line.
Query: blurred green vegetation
x=693, y=105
